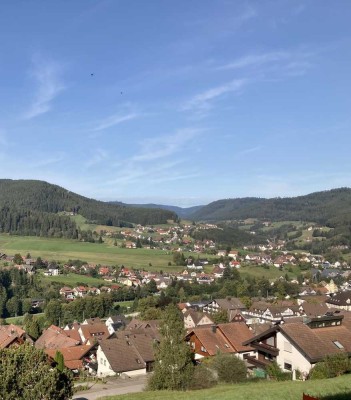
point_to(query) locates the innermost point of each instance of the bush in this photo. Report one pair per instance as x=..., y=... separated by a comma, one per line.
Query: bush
x=230, y=369
x=331, y=367
x=275, y=372
x=203, y=378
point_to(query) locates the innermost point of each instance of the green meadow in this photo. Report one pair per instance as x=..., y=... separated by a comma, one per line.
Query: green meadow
x=328, y=389
x=99, y=253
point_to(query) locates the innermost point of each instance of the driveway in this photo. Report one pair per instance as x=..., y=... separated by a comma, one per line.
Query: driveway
x=113, y=387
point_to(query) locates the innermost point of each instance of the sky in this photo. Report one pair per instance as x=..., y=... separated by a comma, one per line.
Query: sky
x=176, y=102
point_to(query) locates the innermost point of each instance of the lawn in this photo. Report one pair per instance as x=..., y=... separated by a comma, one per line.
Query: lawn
x=263, y=390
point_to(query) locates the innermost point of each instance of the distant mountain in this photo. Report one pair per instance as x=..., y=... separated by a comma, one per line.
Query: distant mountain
x=327, y=207
x=43, y=197
x=182, y=212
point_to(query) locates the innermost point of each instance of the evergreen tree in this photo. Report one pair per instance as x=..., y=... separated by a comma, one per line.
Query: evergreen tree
x=26, y=374
x=173, y=359
x=60, y=362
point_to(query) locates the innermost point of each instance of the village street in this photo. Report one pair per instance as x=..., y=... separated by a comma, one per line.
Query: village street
x=113, y=387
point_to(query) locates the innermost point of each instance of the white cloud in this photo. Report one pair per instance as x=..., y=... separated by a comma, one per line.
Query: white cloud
x=50, y=85
x=161, y=147
x=273, y=63
x=158, y=160
x=115, y=119
x=202, y=101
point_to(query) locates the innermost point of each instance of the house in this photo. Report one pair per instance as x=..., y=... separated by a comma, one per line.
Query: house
x=130, y=354
x=12, y=336
x=341, y=300
x=75, y=358
x=207, y=341
x=90, y=333
x=150, y=328
x=67, y=293
x=230, y=303
x=193, y=318
x=300, y=345
x=115, y=323
x=80, y=291
x=261, y=312
x=55, y=338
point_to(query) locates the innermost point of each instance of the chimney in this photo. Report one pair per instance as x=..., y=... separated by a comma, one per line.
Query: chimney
x=214, y=328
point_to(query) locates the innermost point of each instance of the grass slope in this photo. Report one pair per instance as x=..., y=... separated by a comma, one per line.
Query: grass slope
x=263, y=390
x=65, y=249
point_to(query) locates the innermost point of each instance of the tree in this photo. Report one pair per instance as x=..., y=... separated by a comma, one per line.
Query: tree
x=54, y=312
x=17, y=259
x=173, y=359
x=13, y=306
x=26, y=374
x=60, y=362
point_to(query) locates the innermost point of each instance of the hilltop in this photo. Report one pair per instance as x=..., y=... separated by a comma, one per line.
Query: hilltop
x=36, y=207
x=329, y=207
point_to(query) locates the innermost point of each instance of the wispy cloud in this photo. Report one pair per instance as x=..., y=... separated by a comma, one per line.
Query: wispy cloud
x=256, y=60
x=294, y=62
x=202, y=101
x=99, y=156
x=164, y=146
x=50, y=85
x=158, y=160
x=115, y=119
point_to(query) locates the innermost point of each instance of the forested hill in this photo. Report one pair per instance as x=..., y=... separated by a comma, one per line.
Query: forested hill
x=182, y=212
x=331, y=207
x=38, y=196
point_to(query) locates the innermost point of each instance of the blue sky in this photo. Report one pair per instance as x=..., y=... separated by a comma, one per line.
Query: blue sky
x=176, y=102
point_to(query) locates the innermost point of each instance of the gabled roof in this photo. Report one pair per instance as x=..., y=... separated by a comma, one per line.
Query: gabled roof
x=341, y=299
x=225, y=338
x=316, y=344
x=122, y=355
x=231, y=303
x=94, y=331
x=55, y=338
x=236, y=333
x=72, y=355
x=212, y=340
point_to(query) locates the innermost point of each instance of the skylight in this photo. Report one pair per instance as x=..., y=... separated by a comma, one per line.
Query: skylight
x=338, y=344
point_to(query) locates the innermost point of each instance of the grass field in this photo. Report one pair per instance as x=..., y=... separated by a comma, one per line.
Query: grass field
x=74, y=279
x=263, y=390
x=65, y=249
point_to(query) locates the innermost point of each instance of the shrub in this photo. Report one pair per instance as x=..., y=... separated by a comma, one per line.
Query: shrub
x=230, y=369
x=331, y=367
x=275, y=372
x=203, y=378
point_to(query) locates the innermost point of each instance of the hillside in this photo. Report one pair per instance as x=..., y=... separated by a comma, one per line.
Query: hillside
x=182, y=212
x=332, y=207
x=30, y=200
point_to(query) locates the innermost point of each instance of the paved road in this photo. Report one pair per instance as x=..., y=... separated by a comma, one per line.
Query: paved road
x=113, y=387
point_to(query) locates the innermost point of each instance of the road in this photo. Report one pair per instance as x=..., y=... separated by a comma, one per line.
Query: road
x=113, y=387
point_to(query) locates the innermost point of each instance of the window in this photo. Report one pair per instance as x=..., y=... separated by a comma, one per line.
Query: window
x=338, y=344
x=287, y=366
x=287, y=347
x=203, y=349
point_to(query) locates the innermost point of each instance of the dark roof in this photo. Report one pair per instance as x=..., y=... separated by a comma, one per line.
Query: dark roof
x=230, y=303
x=128, y=353
x=341, y=299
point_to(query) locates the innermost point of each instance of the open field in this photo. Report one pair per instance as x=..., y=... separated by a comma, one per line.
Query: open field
x=264, y=390
x=74, y=279
x=65, y=249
